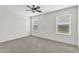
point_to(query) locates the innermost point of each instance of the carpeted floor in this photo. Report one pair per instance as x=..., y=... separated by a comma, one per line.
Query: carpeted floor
x=36, y=45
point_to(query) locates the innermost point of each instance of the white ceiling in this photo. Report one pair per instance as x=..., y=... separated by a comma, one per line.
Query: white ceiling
x=44, y=8
x=48, y=8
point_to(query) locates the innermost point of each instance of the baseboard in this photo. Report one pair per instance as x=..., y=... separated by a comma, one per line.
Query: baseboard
x=55, y=41
x=13, y=38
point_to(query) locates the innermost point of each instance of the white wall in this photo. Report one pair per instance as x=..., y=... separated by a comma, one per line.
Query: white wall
x=78, y=25
x=14, y=23
x=47, y=26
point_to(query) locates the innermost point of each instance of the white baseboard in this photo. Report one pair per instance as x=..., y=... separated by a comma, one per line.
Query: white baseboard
x=53, y=40
x=13, y=38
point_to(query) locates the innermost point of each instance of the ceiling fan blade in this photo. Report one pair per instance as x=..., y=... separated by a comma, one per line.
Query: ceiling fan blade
x=38, y=7
x=39, y=11
x=28, y=6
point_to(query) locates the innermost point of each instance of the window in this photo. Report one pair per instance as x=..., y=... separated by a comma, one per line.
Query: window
x=35, y=25
x=63, y=24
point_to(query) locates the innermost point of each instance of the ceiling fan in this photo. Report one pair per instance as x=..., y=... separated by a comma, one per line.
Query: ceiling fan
x=34, y=8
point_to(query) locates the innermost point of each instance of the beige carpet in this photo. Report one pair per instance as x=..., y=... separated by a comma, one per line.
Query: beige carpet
x=36, y=45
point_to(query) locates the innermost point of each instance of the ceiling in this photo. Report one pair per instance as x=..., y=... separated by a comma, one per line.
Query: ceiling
x=48, y=8
x=44, y=8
